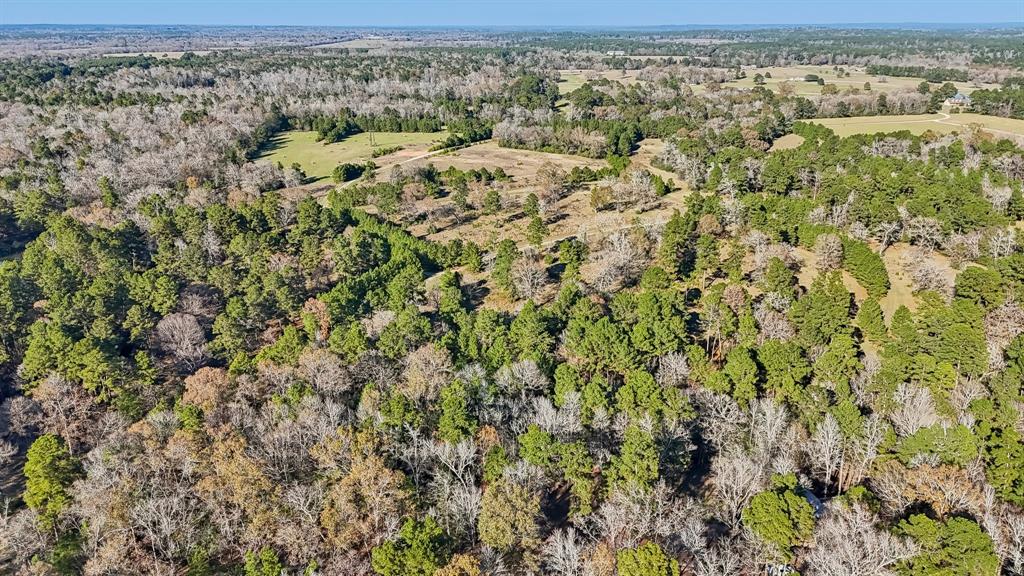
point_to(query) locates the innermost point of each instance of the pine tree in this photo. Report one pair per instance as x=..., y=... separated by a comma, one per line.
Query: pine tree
x=49, y=471
x=871, y=321
x=637, y=462
x=536, y=231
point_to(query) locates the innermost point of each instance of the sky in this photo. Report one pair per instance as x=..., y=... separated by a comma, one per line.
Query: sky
x=605, y=13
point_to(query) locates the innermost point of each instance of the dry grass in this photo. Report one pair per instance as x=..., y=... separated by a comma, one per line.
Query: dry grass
x=516, y=163
x=795, y=74
x=921, y=123
x=901, y=292
x=787, y=142
x=809, y=271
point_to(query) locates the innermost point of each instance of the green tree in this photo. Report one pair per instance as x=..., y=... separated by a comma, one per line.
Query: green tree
x=871, y=321
x=646, y=560
x=741, y=372
x=572, y=253
x=531, y=207
x=419, y=550
x=536, y=230
x=637, y=462
x=824, y=311
x=778, y=278
x=983, y=286
x=508, y=518
x=957, y=547
x=786, y=369
x=505, y=256
x=264, y=563
x=781, y=516
x=49, y=471
x=492, y=201
x=456, y=421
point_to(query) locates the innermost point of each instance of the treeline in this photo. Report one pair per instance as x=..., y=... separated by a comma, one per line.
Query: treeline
x=337, y=128
x=1007, y=101
x=934, y=75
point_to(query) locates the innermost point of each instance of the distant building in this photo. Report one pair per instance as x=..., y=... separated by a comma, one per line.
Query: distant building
x=616, y=52
x=959, y=99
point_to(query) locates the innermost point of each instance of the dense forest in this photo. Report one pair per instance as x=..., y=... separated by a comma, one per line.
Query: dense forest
x=207, y=368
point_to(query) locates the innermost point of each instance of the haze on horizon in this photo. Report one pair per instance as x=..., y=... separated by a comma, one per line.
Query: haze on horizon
x=601, y=13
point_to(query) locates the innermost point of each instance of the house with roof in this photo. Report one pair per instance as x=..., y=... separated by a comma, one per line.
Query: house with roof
x=959, y=99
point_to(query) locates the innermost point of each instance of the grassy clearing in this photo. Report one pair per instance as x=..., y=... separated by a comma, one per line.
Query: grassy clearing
x=787, y=142
x=920, y=123
x=319, y=159
x=569, y=82
x=522, y=165
x=795, y=74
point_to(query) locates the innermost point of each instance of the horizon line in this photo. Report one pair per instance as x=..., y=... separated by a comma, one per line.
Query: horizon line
x=521, y=26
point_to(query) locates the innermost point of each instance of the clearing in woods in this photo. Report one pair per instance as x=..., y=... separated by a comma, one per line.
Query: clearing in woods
x=921, y=123
x=794, y=75
x=787, y=142
x=318, y=159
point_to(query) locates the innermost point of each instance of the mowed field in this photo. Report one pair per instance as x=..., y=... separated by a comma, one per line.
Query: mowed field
x=570, y=80
x=921, y=123
x=794, y=76
x=319, y=159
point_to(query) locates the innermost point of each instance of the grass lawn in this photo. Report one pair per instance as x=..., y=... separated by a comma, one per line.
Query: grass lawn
x=920, y=123
x=319, y=159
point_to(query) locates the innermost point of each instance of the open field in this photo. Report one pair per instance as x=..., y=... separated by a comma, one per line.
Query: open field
x=516, y=163
x=319, y=159
x=159, y=55
x=920, y=123
x=573, y=79
x=795, y=74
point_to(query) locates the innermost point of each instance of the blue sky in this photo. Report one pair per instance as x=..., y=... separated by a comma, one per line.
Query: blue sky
x=506, y=12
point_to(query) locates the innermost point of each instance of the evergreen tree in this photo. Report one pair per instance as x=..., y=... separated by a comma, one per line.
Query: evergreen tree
x=871, y=321
x=49, y=471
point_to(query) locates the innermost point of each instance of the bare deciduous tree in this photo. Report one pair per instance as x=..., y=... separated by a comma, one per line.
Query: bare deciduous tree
x=848, y=544
x=181, y=335
x=829, y=250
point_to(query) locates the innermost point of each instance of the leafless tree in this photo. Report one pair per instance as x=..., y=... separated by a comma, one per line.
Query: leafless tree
x=1002, y=325
x=67, y=410
x=673, y=370
x=619, y=262
x=181, y=335
x=325, y=372
x=914, y=410
x=924, y=231
x=829, y=250
x=825, y=450
x=848, y=544
x=926, y=273
x=963, y=248
x=887, y=233
x=427, y=370
x=1002, y=242
x=998, y=196
x=529, y=276
x=563, y=553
